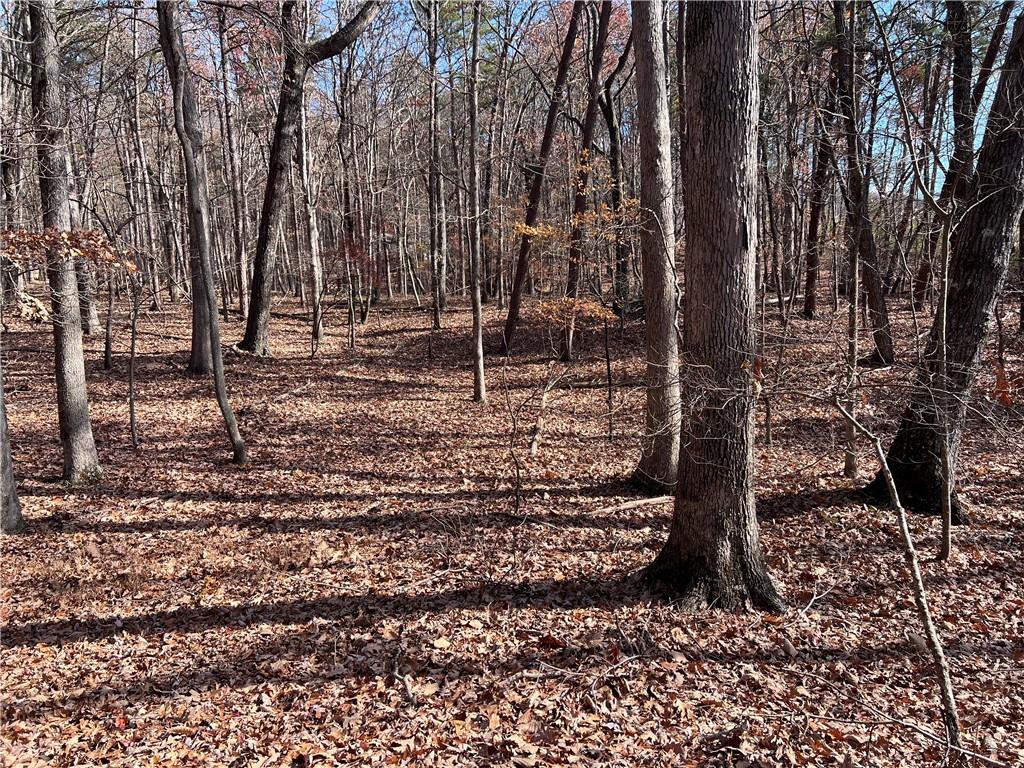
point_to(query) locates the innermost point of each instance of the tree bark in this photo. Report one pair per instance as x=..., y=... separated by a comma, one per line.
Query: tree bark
x=10, y=508
x=479, y=384
x=239, y=219
x=981, y=248
x=660, y=448
x=81, y=463
x=586, y=161
x=819, y=187
x=186, y=124
x=713, y=554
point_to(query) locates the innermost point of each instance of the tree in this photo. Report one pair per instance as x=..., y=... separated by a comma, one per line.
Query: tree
x=186, y=124
x=479, y=384
x=713, y=554
x=10, y=508
x=859, y=215
x=660, y=449
x=81, y=463
x=933, y=422
x=536, y=178
x=299, y=58
x=586, y=160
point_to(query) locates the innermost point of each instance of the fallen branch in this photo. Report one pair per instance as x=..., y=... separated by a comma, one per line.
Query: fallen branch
x=634, y=504
x=946, y=698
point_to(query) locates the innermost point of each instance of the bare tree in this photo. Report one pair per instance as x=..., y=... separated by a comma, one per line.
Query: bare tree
x=981, y=246
x=479, y=384
x=660, y=449
x=713, y=554
x=536, y=177
x=81, y=463
x=299, y=58
x=186, y=124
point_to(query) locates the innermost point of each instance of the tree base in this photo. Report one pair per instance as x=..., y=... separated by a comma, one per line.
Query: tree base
x=648, y=485
x=80, y=477
x=924, y=499
x=695, y=588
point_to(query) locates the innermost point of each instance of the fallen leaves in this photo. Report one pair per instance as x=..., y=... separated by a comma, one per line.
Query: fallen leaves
x=364, y=595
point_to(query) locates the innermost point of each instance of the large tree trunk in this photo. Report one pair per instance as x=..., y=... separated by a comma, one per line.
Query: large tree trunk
x=186, y=124
x=536, y=177
x=857, y=190
x=660, y=449
x=10, y=507
x=81, y=464
x=586, y=161
x=713, y=553
x=981, y=248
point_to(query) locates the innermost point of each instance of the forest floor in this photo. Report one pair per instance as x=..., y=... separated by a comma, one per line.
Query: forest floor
x=368, y=591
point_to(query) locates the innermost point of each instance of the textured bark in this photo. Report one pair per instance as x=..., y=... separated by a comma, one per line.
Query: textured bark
x=713, y=553
x=981, y=248
x=660, y=447
x=10, y=508
x=536, y=177
x=186, y=124
x=299, y=57
x=81, y=463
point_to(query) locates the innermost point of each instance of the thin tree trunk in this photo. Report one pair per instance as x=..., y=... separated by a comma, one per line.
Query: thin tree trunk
x=660, y=446
x=10, y=508
x=81, y=463
x=586, y=162
x=536, y=171
x=186, y=124
x=857, y=189
x=479, y=384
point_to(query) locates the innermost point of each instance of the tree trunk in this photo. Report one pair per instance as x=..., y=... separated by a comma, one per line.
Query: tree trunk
x=186, y=124
x=81, y=463
x=819, y=189
x=586, y=161
x=479, y=384
x=713, y=553
x=607, y=103
x=240, y=224
x=536, y=177
x=857, y=190
x=10, y=508
x=299, y=57
x=660, y=447
x=981, y=248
